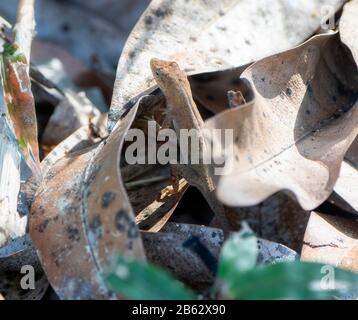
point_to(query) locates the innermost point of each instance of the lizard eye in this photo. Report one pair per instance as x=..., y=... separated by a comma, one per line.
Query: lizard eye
x=157, y=73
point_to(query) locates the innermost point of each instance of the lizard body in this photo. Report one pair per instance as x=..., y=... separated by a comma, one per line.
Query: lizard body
x=185, y=115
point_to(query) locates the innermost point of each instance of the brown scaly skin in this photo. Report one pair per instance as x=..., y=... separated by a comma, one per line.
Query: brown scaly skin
x=185, y=115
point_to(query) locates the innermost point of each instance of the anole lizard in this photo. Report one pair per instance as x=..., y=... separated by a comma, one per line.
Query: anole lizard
x=184, y=113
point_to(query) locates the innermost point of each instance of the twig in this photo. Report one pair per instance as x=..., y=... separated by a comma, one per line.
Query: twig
x=18, y=86
x=25, y=27
x=144, y=182
x=12, y=225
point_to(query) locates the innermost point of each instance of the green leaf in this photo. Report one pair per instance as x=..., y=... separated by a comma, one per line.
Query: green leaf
x=11, y=53
x=239, y=254
x=9, y=49
x=138, y=280
x=242, y=279
x=293, y=280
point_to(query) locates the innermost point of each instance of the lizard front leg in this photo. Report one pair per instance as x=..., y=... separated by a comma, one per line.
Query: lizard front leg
x=175, y=183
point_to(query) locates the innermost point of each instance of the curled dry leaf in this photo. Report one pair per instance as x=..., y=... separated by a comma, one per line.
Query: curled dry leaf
x=90, y=215
x=205, y=36
x=295, y=131
x=210, y=91
x=332, y=240
x=81, y=139
x=56, y=231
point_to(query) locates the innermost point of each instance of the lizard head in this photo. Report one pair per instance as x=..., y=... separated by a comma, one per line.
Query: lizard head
x=167, y=74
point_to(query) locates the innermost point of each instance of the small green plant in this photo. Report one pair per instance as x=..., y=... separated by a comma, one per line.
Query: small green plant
x=238, y=277
x=139, y=280
x=241, y=278
x=10, y=52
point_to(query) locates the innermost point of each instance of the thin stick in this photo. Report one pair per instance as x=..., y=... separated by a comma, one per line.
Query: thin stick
x=144, y=182
x=24, y=119
x=25, y=26
x=13, y=225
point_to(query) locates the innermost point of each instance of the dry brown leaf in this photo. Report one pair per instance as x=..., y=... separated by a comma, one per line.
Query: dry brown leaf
x=56, y=231
x=81, y=218
x=278, y=218
x=204, y=36
x=331, y=240
x=293, y=135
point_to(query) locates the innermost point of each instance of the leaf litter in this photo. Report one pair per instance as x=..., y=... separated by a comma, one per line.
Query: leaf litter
x=288, y=90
